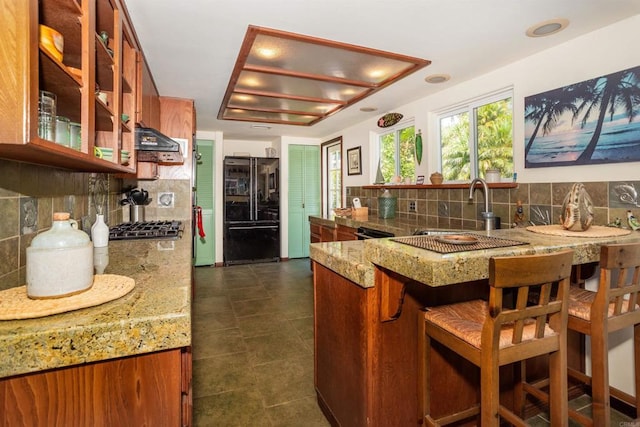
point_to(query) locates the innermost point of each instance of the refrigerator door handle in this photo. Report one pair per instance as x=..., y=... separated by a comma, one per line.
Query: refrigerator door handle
x=254, y=227
x=255, y=189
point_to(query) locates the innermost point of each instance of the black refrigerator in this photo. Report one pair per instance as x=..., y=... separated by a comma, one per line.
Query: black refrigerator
x=251, y=210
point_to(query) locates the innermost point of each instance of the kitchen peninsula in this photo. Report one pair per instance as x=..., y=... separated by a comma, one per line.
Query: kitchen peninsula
x=368, y=295
x=125, y=362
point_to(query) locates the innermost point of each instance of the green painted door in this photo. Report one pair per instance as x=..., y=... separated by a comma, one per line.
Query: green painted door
x=205, y=246
x=304, y=196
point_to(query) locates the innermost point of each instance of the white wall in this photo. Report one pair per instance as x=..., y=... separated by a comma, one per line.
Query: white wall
x=233, y=147
x=598, y=53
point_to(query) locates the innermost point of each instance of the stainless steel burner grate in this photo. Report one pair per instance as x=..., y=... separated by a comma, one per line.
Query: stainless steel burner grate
x=146, y=230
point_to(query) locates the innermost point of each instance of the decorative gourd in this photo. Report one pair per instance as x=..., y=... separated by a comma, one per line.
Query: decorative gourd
x=577, y=209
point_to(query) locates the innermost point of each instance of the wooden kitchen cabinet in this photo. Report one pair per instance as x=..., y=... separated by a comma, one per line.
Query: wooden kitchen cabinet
x=366, y=366
x=343, y=341
x=151, y=389
x=314, y=230
x=148, y=114
x=327, y=233
x=330, y=233
x=177, y=117
x=88, y=66
x=147, y=170
x=322, y=232
x=345, y=233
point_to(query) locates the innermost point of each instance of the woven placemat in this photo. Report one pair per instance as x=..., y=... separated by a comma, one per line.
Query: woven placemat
x=432, y=243
x=593, y=231
x=15, y=304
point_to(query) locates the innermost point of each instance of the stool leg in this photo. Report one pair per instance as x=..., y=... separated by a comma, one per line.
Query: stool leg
x=519, y=395
x=600, y=405
x=489, y=390
x=636, y=357
x=558, y=395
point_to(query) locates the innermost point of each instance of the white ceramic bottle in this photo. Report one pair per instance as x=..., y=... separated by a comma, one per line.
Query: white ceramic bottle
x=100, y=259
x=100, y=232
x=60, y=260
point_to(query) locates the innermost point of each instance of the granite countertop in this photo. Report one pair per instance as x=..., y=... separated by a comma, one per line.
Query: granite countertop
x=155, y=316
x=399, y=227
x=355, y=259
x=346, y=258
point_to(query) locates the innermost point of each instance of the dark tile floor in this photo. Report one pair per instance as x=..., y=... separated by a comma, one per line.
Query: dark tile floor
x=253, y=348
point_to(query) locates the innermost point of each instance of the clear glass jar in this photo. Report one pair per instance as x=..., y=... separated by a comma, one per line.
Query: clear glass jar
x=47, y=115
x=75, y=136
x=62, y=131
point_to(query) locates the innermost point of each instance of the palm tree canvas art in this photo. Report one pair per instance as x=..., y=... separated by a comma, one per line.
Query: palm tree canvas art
x=594, y=121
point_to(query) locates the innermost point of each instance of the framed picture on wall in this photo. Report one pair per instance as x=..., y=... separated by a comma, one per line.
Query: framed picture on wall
x=354, y=161
x=590, y=122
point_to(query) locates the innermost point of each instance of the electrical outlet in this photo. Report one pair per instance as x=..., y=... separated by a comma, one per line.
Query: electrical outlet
x=412, y=205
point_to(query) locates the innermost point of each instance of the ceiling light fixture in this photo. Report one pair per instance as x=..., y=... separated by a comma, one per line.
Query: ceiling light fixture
x=546, y=28
x=437, y=78
x=368, y=109
x=308, y=79
x=268, y=53
x=267, y=127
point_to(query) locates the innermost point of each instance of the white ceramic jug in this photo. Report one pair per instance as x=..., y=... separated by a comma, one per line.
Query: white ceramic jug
x=60, y=260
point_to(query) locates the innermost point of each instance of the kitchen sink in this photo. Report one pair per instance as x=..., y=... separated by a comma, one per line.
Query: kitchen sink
x=433, y=232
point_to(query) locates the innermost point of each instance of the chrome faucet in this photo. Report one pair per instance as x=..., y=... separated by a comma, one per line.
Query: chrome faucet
x=488, y=217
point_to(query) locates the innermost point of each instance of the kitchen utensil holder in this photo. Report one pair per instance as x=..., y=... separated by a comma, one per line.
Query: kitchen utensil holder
x=136, y=213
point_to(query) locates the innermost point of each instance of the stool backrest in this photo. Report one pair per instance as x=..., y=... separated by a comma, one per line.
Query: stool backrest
x=619, y=281
x=534, y=276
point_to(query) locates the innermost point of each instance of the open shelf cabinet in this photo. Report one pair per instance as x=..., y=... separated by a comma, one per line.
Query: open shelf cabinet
x=89, y=66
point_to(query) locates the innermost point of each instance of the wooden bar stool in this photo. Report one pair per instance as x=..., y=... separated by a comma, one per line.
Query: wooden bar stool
x=613, y=307
x=490, y=335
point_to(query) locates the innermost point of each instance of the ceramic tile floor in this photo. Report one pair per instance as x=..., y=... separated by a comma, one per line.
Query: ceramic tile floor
x=253, y=348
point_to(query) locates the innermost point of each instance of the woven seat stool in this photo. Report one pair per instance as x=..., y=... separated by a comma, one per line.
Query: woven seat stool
x=612, y=307
x=491, y=334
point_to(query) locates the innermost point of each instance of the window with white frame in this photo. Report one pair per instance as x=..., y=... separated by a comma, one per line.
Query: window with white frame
x=477, y=136
x=397, y=152
x=332, y=152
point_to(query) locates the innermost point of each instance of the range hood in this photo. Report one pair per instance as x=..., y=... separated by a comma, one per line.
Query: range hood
x=154, y=146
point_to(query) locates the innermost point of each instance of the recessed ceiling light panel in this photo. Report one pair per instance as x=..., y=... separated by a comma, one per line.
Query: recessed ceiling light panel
x=546, y=28
x=288, y=78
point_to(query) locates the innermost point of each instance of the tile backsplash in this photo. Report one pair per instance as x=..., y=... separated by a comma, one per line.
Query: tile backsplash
x=30, y=194
x=170, y=199
x=541, y=203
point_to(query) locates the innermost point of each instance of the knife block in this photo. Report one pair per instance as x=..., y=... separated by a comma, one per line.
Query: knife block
x=361, y=214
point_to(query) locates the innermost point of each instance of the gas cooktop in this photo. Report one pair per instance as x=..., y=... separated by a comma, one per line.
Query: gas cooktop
x=146, y=230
